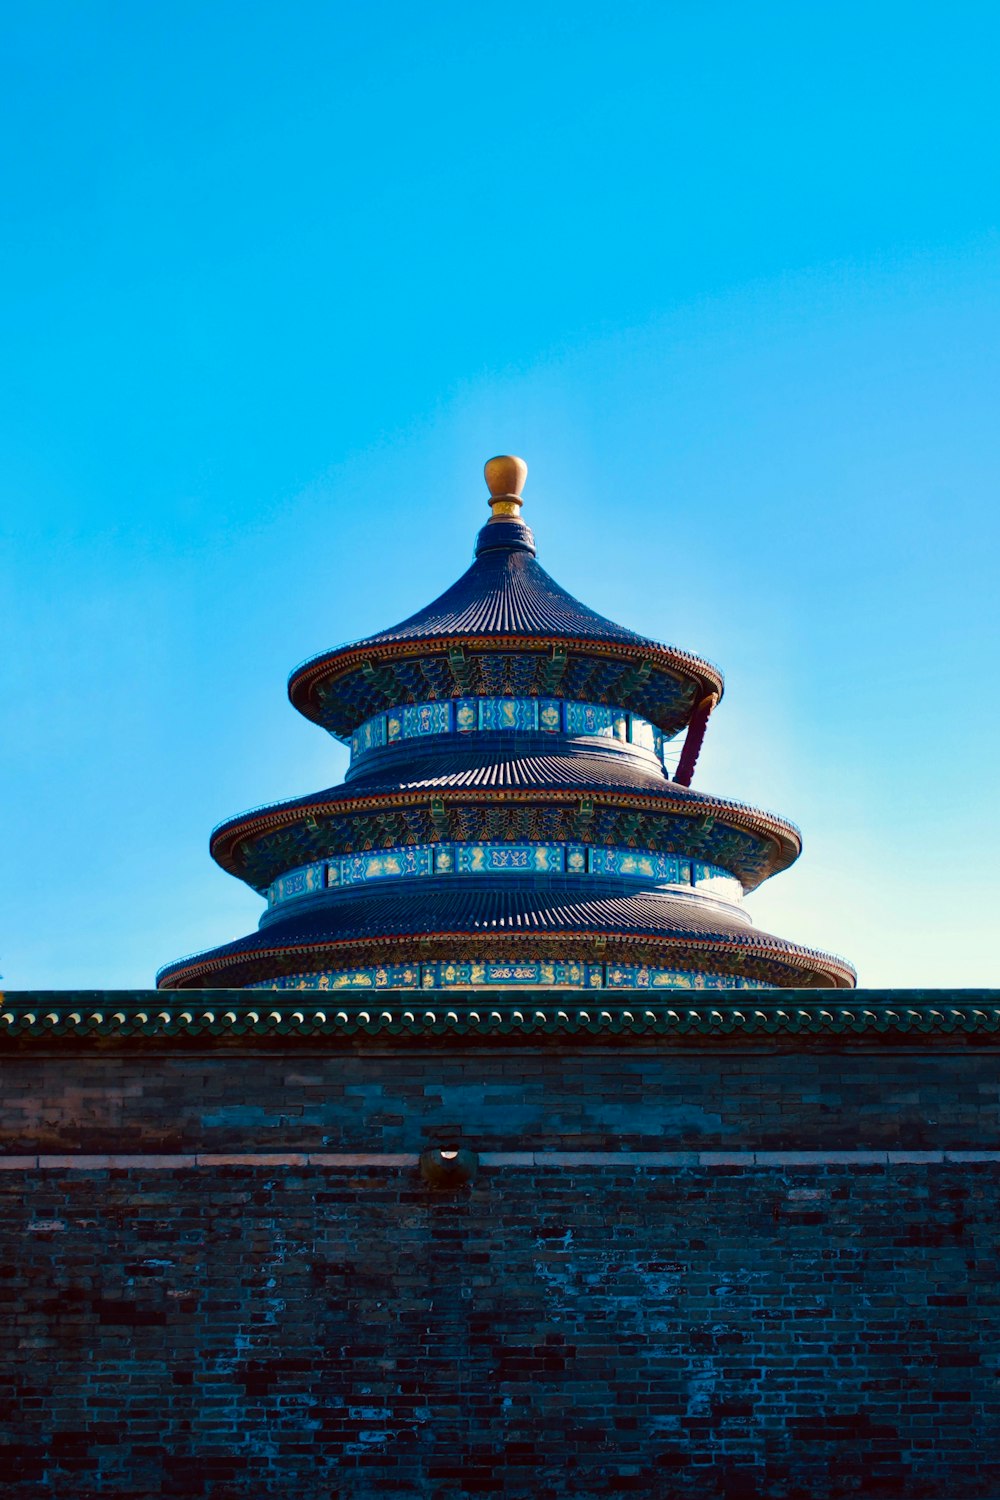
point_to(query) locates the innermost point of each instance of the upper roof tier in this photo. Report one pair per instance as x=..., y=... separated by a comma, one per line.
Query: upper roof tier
x=505, y=626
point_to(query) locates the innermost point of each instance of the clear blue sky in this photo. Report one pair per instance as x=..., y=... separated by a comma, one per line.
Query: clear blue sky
x=276, y=279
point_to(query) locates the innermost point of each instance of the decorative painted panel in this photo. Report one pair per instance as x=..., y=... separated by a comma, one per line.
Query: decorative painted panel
x=382, y=864
x=589, y=718
x=466, y=714
x=368, y=736
x=426, y=718
x=640, y=864
x=533, y=973
x=496, y=857
x=509, y=974
x=516, y=714
x=576, y=859
x=476, y=859
x=432, y=975
x=500, y=972
x=301, y=882
x=640, y=976
x=379, y=977
x=508, y=713
x=550, y=715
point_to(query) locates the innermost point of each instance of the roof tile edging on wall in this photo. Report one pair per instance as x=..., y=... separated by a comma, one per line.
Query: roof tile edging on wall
x=491, y=1015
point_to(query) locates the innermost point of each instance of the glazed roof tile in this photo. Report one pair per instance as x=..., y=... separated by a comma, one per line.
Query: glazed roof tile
x=458, y=906
x=507, y=593
x=481, y=764
x=506, y=597
x=365, y=916
x=477, y=768
x=489, y=1016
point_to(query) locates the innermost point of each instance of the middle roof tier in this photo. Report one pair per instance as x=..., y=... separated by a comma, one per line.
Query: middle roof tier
x=498, y=788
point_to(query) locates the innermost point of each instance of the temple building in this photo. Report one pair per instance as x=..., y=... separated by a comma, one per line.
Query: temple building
x=544, y=1173
x=510, y=816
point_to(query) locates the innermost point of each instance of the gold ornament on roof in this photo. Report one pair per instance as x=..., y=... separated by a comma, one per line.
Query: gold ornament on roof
x=505, y=476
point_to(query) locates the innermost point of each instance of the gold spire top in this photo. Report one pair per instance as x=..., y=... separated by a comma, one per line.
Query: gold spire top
x=505, y=476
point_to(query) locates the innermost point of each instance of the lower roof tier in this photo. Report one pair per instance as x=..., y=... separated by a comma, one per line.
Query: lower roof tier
x=601, y=795
x=665, y=930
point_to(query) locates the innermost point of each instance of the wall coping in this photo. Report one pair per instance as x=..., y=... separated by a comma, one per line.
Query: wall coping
x=164, y=1018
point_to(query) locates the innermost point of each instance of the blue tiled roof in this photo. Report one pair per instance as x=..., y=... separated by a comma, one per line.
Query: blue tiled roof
x=484, y=764
x=475, y=769
x=485, y=909
x=506, y=596
x=477, y=765
x=507, y=593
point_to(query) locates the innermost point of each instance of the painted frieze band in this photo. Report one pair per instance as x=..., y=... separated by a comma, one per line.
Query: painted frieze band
x=469, y=715
x=418, y=860
x=514, y=973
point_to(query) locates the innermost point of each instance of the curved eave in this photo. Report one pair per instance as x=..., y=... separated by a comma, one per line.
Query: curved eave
x=783, y=836
x=329, y=667
x=200, y=970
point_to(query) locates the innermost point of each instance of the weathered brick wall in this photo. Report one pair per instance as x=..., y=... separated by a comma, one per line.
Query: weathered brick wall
x=717, y=1270
x=366, y=1095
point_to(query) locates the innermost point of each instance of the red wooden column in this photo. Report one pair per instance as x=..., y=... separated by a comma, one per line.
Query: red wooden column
x=693, y=739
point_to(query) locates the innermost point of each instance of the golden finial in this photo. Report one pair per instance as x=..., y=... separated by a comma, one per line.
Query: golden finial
x=505, y=476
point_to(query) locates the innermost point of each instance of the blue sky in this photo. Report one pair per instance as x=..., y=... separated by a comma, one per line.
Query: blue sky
x=277, y=279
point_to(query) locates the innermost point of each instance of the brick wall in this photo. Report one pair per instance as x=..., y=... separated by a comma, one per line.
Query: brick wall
x=722, y=1269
